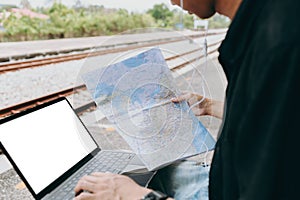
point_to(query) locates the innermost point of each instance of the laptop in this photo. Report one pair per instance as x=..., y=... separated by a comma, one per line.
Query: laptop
x=51, y=149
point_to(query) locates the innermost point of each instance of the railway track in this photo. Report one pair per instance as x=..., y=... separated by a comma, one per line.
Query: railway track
x=8, y=67
x=91, y=105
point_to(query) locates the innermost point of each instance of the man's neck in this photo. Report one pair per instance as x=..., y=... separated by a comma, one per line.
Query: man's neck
x=227, y=7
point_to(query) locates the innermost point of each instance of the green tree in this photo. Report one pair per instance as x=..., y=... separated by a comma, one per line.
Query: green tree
x=91, y=21
x=61, y=21
x=162, y=14
x=25, y=4
x=23, y=28
x=6, y=7
x=218, y=21
x=188, y=20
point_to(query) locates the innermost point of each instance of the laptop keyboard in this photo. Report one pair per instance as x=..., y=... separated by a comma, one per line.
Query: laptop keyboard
x=104, y=161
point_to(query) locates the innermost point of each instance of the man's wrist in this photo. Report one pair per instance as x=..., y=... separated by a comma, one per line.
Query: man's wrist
x=209, y=107
x=143, y=193
x=215, y=108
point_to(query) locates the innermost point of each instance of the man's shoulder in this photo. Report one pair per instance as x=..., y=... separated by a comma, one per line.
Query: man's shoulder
x=258, y=28
x=278, y=23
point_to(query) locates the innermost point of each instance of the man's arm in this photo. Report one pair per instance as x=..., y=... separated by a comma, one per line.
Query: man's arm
x=109, y=186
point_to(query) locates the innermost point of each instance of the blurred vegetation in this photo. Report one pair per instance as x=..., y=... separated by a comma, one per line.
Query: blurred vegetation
x=6, y=6
x=218, y=21
x=166, y=18
x=65, y=22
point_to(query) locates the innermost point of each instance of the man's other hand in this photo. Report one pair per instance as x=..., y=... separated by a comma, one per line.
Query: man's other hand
x=201, y=105
x=107, y=186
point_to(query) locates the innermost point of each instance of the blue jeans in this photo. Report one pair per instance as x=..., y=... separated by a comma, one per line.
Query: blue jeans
x=183, y=180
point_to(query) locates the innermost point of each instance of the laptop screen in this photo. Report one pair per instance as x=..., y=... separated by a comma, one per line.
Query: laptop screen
x=44, y=144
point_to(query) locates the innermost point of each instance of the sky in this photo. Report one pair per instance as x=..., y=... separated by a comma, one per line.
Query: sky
x=130, y=5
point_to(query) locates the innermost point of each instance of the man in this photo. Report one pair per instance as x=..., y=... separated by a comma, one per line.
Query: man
x=256, y=155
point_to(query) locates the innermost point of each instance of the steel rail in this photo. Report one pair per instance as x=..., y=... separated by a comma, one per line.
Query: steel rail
x=8, y=67
x=69, y=91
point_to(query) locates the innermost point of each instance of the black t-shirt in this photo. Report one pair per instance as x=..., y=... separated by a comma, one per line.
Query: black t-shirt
x=257, y=155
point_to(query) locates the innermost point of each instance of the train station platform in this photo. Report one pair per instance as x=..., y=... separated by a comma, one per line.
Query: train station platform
x=106, y=136
x=11, y=186
x=29, y=49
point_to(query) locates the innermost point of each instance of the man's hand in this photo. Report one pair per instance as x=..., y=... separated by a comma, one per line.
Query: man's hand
x=201, y=105
x=107, y=186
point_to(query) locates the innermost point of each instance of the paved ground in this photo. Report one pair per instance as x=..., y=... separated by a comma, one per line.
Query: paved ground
x=211, y=76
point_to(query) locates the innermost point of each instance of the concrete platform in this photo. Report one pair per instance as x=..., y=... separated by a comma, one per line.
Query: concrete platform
x=11, y=186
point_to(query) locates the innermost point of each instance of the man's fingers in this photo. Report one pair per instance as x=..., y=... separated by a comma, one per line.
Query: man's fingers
x=84, y=185
x=181, y=98
x=85, y=196
x=102, y=174
x=175, y=100
x=90, y=178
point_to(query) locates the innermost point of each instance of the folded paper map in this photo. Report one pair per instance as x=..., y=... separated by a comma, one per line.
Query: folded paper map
x=135, y=97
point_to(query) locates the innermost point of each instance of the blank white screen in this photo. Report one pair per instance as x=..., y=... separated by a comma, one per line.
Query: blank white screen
x=46, y=143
